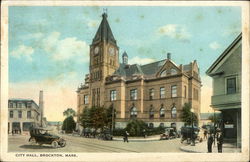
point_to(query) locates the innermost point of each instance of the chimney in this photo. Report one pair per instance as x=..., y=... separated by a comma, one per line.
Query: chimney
x=41, y=104
x=169, y=56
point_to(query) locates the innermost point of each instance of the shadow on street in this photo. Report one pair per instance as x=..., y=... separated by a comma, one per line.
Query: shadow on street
x=36, y=147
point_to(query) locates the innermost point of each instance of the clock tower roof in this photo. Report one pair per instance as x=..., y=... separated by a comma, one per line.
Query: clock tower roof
x=104, y=31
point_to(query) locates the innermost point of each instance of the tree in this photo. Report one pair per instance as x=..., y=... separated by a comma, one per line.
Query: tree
x=69, y=112
x=85, y=118
x=186, y=115
x=69, y=124
x=215, y=118
x=109, y=113
x=98, y=117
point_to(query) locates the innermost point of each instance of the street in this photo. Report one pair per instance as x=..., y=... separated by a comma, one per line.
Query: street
x=19, y=143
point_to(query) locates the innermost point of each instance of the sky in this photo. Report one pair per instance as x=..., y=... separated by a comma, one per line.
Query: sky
x=49, y=46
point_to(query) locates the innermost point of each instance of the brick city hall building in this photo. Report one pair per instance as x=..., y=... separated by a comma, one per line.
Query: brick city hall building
x=154, y=93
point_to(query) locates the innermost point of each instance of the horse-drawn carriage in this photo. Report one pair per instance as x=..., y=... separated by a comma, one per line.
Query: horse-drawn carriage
x=187, y=133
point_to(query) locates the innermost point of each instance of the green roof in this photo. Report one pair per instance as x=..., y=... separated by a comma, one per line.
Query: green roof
x=104, y=31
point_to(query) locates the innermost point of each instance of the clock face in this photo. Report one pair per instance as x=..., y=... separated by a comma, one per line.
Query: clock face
x=111, y=51
x=96, y=50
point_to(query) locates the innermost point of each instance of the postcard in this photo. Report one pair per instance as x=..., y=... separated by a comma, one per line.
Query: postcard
x=125, y=81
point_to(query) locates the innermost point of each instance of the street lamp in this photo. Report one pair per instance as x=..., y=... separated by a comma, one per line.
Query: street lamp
x=192, y=122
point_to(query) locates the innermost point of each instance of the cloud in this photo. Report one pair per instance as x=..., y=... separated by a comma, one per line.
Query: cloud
x=214, y=45
x=92, y=23
x=65, y=49
x=34, y=36
x=140, y=61
x=23, y=51
x=232, y=30
x=174, y=31
x=57, y=96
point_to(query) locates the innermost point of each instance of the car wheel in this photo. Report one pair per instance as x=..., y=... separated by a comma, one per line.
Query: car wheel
x=63, y=144
x=54, y=144
x=32, y=141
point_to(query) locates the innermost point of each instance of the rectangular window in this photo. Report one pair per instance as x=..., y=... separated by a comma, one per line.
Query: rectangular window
x=28, y=105
x=151, y=93
x=29, y=114
x=133, y=94
x=174, y=91
x=112, y=95
x=10, y=105
x=19, y=105
x=196, y=95
x=19, y=114
x=93, y=97
x=231, y=85
x=98, y=96
x=185, y=91
x=162, y=92
x=11, y=114
x=86, y=99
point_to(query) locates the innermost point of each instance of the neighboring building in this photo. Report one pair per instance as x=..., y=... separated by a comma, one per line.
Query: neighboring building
x=23, y=113
x=204, y=118
x=154, y=93
x=226, y=74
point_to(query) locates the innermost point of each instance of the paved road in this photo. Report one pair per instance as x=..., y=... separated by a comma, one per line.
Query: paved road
x=79, y=144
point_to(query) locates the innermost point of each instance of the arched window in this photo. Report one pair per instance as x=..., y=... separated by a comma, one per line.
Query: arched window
x=163, y=73
x=133, y=112
x=162, y=112
x=161, y=124
x=174, y=112
x=151, y=125
x=151, y=113
x=173, y=71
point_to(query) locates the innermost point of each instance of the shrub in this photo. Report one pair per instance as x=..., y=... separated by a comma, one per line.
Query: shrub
x=135, y=127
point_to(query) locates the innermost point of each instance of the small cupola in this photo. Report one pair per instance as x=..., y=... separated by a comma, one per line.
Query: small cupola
x=125, y=58
x=169, y=56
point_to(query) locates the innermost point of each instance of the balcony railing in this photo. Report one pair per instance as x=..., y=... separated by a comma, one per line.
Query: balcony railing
x=226, y=99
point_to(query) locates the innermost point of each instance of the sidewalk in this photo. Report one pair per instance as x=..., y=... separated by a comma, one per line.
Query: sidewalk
x=202, y=148
x=138, y=139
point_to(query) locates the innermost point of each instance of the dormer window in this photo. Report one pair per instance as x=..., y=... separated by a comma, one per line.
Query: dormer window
x=163, y=73
x=173, y=71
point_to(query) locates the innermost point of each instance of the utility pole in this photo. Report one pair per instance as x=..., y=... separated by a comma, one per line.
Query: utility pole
x=192, y=121
x=112, y=121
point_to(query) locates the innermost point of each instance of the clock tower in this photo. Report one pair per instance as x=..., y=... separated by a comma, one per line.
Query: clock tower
x=104, y=60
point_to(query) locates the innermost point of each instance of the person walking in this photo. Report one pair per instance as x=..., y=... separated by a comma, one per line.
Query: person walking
x=219, y=142
x=210, y=143
x=144, y=133
x=205, y=134
x=125, y=138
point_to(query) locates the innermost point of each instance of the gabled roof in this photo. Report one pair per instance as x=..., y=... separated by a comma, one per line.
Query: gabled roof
x=152, y=68
x=128, y=70
x=147, y=70
x=104, y=31
x=224, y=54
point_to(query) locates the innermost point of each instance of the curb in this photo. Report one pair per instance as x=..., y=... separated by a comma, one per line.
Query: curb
x=187, y=150
x=137, y=140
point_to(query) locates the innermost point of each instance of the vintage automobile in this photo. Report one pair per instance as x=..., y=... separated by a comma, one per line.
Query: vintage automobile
x=169, y=134
x=42, y=136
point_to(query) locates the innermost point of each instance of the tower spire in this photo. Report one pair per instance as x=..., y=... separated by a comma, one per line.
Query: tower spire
x=104, y=32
